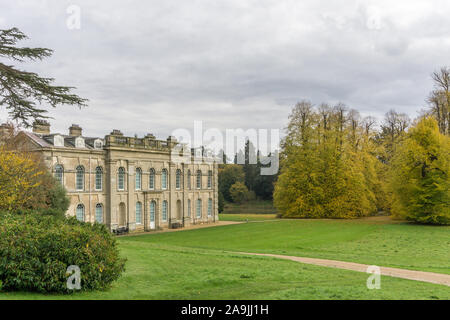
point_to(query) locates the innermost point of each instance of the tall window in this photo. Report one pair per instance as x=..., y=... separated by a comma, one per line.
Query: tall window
x=199, y=208
x=178, y=179
x=152, y=179
x=59, y=174
x=189, y=208
x=164, y=210
x=138, y=179
x=98, y=178
x=152, y=211
x=138, y=212
x=121, y=179
x=189, y=179
x=209, y=207
x=80, y=178
x=199, y=179
x=80, y=212
x=99, y=213
x=210, y=179
x=164, y=179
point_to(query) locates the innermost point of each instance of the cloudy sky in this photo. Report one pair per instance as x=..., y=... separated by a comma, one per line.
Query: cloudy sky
x=155, y=66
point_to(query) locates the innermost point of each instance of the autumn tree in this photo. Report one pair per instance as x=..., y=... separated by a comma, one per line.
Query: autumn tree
x=439, y=99
x=238, y=192
x=327, y=165
x=22, y=93
x=421, y=175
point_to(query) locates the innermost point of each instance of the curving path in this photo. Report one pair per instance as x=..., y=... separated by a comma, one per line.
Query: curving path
x=436, y=278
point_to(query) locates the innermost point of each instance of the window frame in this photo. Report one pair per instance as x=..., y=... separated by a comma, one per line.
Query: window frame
x=164, y=209
x=61, y=180
x=138, y=174
x=82, y=207
x=138, y=205
x=164, y=179
x=97, y=206
x=80, y=174
x=121, y=177
x=98, y=178
x=198, y=181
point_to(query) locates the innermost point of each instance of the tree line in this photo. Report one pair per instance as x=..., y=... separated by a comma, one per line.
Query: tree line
x=337, y=164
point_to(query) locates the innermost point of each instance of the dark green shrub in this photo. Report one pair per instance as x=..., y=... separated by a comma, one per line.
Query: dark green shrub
x=36, y=250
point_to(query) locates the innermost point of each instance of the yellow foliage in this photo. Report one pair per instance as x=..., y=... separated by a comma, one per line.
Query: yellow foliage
x=19, y=176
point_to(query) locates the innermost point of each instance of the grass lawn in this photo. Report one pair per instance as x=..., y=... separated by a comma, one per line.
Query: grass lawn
x=192, y=264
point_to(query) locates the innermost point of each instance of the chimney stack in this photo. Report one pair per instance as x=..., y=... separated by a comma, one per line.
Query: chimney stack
x=41, y=127
x=75, y=130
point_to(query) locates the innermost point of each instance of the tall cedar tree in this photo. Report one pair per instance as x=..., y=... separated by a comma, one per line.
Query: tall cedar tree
x=21, y=92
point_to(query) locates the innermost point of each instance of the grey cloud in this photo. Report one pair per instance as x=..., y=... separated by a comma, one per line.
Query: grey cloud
x=152, y=66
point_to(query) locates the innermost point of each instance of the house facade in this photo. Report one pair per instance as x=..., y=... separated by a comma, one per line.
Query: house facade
x=129, y=182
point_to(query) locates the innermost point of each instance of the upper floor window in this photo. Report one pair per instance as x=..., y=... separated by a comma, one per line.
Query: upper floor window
x=164, y=179
x=79, y=181
x=138, y=212
x=98, y=178
x=178, y=179
x=58, y=141
x=210, y=175
x=59, y=174
x=164, y=210
x=199, y=179
x=152, y=179
x=138, y=179
x=189, y=179
x=121, y=179
x=79, y=143
x=99, y=213
x=98, y=144
x=80, y=212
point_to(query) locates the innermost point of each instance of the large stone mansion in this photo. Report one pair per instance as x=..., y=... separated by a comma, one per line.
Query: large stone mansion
x=129, y=182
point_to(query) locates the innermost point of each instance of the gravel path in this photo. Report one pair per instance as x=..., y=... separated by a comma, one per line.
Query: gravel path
x=431, y=277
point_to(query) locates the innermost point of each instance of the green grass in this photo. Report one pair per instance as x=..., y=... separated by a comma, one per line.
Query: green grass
x=377, y=241
x=193, y=264
x=244, y=217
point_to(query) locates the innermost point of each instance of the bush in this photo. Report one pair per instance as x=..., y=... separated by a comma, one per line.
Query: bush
x=238, y=192
x=36, y=250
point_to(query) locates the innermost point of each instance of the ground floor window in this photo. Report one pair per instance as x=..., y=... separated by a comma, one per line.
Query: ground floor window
x=164, y=210
x=99, y=213
x=199, y=208
x=80, y=212
x=138, y=213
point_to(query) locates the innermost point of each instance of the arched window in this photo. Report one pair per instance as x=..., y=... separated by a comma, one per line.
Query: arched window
x=151, y=184
x=121, y=179
x=99, y=213
x=164, y=179
x=209, y=207
x=138, y=213
x=80, y=178
x=138, y=179
x=80, y=212
x=98, y=178
x=178, y=179
x=210, y=179
x=199, y=208
x=59, y=174
x=164, y=210
x=189, y=208
x=199, y=179
x=189, y=179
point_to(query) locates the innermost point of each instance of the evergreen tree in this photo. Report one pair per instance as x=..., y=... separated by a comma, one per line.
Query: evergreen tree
x=21, y=91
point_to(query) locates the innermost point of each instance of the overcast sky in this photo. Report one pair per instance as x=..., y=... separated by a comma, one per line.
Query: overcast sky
x=155, y=66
